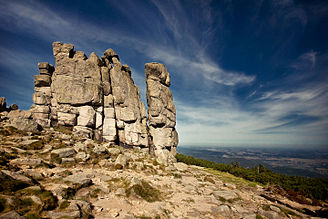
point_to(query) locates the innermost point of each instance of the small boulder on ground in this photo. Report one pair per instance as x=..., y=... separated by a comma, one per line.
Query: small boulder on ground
x=27, y=125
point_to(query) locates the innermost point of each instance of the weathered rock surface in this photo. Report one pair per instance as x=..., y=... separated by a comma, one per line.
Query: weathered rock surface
x=3, y=104
x=25, y=124
x=161, y=110
x=119, y=183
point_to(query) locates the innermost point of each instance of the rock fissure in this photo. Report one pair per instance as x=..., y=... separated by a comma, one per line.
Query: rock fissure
x=98, y=98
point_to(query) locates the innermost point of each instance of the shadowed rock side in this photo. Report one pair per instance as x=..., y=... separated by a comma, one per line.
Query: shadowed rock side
x=161, y=110
x=98, y=98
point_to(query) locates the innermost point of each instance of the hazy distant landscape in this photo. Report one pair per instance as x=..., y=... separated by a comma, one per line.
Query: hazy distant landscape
x=291, y=161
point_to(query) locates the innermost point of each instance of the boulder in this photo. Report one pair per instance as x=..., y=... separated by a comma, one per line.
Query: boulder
x=82, y=156
x=81, y=180
x=64, y=152
x=227, y=195
x=23, y=124
x=113, y=151
x=6, y=175
x=13, y=107
x=83, y=131
x=87, y=116
x=164, y=157
x=68, y=119
x=26, y=161
x=121, y=161
x=19, y=114
x=42, y=80
x=11, y=215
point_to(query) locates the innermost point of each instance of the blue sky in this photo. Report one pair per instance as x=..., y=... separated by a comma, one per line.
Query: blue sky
x=243, y=72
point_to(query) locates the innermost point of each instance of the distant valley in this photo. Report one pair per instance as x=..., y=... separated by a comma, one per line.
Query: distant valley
x=291, y=161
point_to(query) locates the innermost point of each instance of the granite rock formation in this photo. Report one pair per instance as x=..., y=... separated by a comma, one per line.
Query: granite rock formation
x=161, y=110
x=97, y=97
x=3, y=104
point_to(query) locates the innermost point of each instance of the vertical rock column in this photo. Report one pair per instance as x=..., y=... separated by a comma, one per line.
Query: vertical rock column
x=129, y=111
x=42, y=95
x=161, y=110
x=109, y=130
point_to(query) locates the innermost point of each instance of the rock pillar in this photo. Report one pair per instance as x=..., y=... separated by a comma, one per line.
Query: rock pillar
x=161, y=110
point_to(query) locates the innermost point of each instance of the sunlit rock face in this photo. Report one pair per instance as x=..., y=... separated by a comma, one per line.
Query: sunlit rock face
x=98, y=98
x=161, y=110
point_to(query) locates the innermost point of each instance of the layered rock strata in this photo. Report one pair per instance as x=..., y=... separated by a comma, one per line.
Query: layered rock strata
x=98, y=99
x=42, y=95
x=161, y=110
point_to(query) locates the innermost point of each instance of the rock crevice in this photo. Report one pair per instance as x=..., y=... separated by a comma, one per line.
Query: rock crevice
x=98, y=98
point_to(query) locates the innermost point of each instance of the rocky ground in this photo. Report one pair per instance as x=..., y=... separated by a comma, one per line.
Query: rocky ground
x=55, y=174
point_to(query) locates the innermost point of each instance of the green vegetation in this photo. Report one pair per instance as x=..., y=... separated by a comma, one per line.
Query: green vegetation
x=63, y=129
x=295, y=186
x=144, y=191
x=64, y=205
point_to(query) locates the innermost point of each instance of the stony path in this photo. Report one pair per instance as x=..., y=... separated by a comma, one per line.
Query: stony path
x=89, y=179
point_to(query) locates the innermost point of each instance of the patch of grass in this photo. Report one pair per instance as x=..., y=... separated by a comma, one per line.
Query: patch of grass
x=177, y=176
x=266, y=207
x=8, y=186
x=68, y=193
x=209, y=179
x=144, y=191
x=64, y=205
x=55, y=158
x=48, y=199
x=63, y=129
x=286, y=211
x=94, y=193
x=5, y=158
x=2, y=204
x=258, y=216
x=32, y=216
x=38, y=145
x=222, y=199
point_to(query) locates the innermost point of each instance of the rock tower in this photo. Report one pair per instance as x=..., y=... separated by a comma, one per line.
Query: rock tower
x=98, y=99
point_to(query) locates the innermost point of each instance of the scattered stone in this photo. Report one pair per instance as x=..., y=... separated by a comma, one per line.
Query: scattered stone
x=64, y=152
x=8, y=175
x=227, y=195
x=82, y=156
x=181, y=166
x=11, y=215
x=13, y=107
x=27, y=125
x=223, y=210
x=114, y=151
x=81, y=180
x=67, y=160
x=79, y=146
x=121, y=161
x=26, y=161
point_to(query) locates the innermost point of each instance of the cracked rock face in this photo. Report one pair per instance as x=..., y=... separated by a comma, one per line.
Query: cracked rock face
x=161, y=110
x=97, y=97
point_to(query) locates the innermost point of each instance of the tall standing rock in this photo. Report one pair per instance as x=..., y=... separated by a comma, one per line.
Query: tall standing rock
x=42, y=95
x=3, y=105
x=76, y=88
x=98, y=98
x=129, y=111
x=161, y=110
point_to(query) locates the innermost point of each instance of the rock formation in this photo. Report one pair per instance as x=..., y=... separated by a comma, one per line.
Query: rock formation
x=3, y=104
x=161, y=110
x=98, y=99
